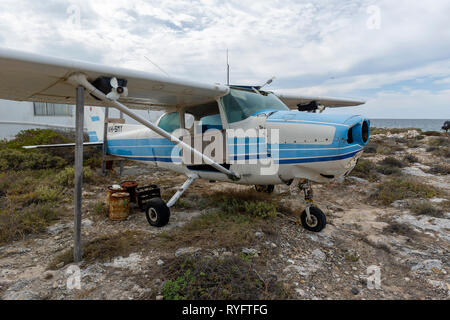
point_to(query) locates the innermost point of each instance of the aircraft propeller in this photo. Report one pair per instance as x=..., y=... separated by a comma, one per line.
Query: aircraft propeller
x=116, y=91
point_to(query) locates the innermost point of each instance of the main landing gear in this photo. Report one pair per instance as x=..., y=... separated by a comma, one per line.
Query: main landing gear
x=157, y=211
x=312, y=218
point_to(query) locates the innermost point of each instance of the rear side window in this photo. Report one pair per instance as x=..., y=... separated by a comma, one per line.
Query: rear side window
x=170, y=122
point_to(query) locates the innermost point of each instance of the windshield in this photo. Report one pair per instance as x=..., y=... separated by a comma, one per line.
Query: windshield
x=241, y=104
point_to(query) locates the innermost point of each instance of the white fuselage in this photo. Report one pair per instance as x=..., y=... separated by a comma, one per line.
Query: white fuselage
x=292, y=145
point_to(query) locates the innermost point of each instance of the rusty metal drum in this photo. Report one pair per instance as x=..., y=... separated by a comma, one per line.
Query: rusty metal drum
x=111, y=190
x=130, y=186
x=119, y=206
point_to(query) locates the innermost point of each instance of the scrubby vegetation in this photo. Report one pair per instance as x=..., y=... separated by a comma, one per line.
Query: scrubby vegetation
x=258, y=208
x=100, y=210
x=228, y=278
x=400, y=188
x=28, y=203
x=432, y=133
x=37, y=137
x=365, y=169
x=33, y=183
x=390, y=166
x=371, y=147
x=233, y=221
x=66, y=177
x=421, y=207
x=439, y=169
x=410, y=158
x=14, y=157
x=368, y=170
x=103, y=249
x=389, y=148
x=16, y=160
x=16, y=224
x=215, y=229
x=401, y=229
x=439, y=142
x=414, y=143
x=439, y=151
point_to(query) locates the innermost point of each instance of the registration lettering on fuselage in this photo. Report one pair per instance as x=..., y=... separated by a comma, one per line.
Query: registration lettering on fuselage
x=115, y=129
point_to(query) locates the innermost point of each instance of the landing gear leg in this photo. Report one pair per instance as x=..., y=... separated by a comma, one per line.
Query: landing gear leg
x=313, y=219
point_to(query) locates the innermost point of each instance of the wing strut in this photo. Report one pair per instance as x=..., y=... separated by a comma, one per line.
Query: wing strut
x=80, y=79
x=180, y=191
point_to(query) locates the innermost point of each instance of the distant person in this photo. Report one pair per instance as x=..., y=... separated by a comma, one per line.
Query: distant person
x=446, y=126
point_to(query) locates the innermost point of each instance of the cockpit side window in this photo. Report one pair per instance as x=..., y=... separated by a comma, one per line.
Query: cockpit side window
x=241, y=104
x=171, y=121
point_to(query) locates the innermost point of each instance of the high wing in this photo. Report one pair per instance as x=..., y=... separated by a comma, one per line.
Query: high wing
x=31, y=77
x=292, y=101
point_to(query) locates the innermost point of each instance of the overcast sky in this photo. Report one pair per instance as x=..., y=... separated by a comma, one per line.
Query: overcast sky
x=393, y=54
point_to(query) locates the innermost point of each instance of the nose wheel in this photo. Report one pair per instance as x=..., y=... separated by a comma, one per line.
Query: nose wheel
x=312, y=218
x=315, y=220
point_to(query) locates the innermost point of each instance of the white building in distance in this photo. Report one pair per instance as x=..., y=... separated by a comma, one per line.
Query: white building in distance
x=17, y=116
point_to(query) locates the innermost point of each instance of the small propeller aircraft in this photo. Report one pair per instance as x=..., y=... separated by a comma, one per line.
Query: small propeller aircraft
x=238, y=134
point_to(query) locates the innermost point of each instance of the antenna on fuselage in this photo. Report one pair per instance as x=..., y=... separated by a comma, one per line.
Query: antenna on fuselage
x=228, y=71
x=161, y=69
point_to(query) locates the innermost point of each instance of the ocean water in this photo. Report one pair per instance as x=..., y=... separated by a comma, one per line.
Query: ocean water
x=424, y=124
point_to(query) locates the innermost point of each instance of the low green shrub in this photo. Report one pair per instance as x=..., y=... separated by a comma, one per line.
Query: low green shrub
x=104, y=249
x=16, y=160
x=33, y=137
x=439, y=169
x=432, y=133
x=425, y=208
x=388, y=170
x=393, y=162
x=410, y=158
x=48, y=194
x=66, y=177
x=365, y=169
x=439, y=142
x=229, y=278
x=16, y=224
x=400, y=188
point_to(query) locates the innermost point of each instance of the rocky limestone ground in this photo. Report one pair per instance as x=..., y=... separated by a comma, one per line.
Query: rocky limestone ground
x=363, y=238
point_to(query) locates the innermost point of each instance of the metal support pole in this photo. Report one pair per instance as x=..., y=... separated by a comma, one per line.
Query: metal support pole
x=105, y=141
x=121, y=161
x=77, y=250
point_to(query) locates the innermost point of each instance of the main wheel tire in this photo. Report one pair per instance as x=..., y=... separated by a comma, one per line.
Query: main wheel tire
x=157, y=213
x=318, y=220
x=265, y=188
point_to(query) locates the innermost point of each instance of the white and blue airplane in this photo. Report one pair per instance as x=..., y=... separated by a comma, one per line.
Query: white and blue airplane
x=238, y=134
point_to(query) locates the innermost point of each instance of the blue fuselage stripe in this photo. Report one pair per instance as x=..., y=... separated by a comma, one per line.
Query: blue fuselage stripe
x=159, y=149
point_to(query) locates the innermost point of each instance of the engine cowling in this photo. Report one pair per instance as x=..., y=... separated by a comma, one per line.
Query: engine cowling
x=359, y=133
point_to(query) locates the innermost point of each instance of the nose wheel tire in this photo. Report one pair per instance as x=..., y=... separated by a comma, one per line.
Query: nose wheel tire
x=265, y=188
x=317, y=221
x=157, y=213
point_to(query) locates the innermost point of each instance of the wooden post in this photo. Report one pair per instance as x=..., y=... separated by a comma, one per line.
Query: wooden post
x=79, y=127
